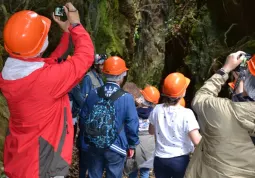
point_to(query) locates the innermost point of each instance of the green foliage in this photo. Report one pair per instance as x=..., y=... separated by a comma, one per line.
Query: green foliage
x=108, y=27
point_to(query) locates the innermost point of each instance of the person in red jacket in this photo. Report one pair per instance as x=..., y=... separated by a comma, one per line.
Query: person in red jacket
x=39, y=141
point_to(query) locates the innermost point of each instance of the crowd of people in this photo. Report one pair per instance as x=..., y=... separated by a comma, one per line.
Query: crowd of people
x=52, y=100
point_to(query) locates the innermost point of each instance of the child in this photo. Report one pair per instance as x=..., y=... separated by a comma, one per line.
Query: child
x=175, y=128
x=145, y=150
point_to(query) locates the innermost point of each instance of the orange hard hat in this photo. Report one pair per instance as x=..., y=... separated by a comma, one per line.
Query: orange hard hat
x=175, y=85
x=114, y=65
x=25, y=33
x=251, y=65
x=151, y=94
x=182, y=102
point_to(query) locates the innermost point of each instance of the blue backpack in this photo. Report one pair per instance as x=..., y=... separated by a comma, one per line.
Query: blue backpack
x=100, y=128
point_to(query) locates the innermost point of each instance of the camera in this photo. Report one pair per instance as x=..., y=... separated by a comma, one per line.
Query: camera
x=59, y=11
x=246, y=57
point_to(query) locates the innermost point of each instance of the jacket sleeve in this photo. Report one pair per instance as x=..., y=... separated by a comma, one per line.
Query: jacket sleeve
x=83, y=113
x=86, y=86
x=63, y=47
x=77, y=96
x=60, y=79
x=207, y=95
x=131, y=122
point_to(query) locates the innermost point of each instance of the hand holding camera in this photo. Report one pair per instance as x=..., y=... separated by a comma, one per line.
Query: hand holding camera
x=233, y=61
x=71, y=13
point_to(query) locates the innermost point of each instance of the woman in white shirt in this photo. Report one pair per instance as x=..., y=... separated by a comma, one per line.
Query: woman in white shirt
x=175, y=128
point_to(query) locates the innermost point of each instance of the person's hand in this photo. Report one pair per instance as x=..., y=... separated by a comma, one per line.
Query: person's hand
x=63, y=24
x=232, y=61
x=72, y=13
x=131, y=153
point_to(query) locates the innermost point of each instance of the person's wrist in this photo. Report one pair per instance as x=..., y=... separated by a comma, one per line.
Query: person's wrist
x=73, y=25
x=221, y=71
x=225, y=69
x=75, y=22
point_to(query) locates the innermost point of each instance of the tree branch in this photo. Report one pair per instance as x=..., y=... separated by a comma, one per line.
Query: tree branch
x=226, y=33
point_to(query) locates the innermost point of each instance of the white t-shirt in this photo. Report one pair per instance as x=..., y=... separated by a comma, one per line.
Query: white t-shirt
x=172, y=125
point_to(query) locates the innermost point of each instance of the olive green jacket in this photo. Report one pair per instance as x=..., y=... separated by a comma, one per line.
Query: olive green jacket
x=226, y=149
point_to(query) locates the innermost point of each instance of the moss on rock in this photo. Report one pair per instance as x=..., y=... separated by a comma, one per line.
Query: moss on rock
x=4, y=115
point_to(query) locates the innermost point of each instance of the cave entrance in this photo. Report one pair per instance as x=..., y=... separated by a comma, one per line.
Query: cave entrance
x=175, y=52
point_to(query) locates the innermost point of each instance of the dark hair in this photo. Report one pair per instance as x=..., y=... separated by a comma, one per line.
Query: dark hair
x=168, y=101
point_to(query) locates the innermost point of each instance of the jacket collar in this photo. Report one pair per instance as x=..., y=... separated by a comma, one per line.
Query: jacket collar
x=16, y=69
x=112, y=83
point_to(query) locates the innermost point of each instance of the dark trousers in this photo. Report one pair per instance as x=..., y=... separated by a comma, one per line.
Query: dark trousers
x=83, y=163
x=100, y=159
x=171, y=167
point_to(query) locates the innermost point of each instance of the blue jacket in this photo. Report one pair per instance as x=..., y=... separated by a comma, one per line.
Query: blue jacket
x=125, y=113
x=77, y=99
x=87, y=83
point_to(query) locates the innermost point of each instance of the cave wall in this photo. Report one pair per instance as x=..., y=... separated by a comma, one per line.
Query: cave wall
x=150, y=44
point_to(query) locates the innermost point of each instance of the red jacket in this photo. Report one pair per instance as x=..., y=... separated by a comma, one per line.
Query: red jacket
x=40, y=138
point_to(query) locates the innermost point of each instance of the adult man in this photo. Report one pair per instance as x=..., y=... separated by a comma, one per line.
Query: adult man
x=92, y=80
x=113, y=157
x=40, y=137
x=226, y=149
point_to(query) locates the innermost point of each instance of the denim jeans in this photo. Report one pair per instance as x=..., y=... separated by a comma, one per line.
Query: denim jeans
x=100, y=159
x=83, y=163
x=171, y=167
x=144, y=173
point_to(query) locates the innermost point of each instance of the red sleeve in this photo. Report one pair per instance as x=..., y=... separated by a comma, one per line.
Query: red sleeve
x=63, y=47
x=60, y=79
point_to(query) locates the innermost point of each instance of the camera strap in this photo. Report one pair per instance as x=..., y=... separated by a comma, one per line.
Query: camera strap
x=240, y=77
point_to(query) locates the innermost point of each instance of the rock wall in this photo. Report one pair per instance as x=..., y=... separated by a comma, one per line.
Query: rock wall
x=148, y=61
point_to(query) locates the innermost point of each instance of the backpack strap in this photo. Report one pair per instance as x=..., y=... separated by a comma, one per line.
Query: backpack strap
x=117, y=94
x=114, y=97
x=100, y=92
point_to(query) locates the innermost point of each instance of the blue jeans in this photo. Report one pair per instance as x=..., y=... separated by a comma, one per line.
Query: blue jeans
x=171, y=167
x=83, y=163
x=144, y=173
x=100, y=159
